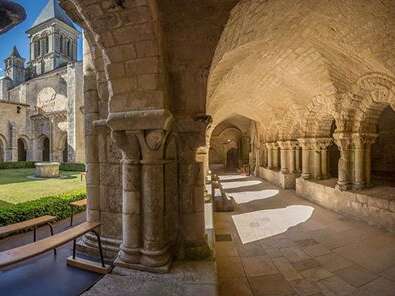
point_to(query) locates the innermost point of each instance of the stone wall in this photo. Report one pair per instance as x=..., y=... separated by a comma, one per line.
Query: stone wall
x=284, y=181
x=371, y=209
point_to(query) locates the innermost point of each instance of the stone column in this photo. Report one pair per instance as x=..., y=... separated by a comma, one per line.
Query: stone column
x=306, y=151
x=293, y=145
x=344, y=142
x=316, y=153
x=275, y=155
x=297, y=158
x=284, y=150
x=131, y=198
x=325, y=143
x=269, y=156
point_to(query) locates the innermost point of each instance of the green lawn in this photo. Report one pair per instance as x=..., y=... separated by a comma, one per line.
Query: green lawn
x=16, y=187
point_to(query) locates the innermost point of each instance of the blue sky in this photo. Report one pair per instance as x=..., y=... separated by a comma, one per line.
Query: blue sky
x=17, y=35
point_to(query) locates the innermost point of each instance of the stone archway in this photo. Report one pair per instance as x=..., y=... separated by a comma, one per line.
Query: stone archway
x=22, y=149
x=45, y=148
x=3, y=148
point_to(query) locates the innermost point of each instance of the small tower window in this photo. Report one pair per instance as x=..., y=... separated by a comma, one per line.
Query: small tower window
x=37, y=48
x=46, y=44
x=61, y=43
x=69, y=50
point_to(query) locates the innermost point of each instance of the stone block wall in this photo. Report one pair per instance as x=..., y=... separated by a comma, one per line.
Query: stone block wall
x=375, y=211
x=285, y=181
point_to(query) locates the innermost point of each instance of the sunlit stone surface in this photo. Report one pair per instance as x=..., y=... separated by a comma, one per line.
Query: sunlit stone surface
x=47, y=170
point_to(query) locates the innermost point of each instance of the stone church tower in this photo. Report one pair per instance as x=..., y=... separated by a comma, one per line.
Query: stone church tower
x=53, y=40
x=15, y=67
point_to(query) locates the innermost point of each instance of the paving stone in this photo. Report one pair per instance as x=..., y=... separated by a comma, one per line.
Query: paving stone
x=306, y=264
x=225, y=249
x=355, y=275
x=271, y=285
x=306, y=242
x=305, y=287
x=379, y=287
x=333, y=262
x=261, y=265
x=234, y=287
x=316, y=274
x=286, y=268
x=337, y=285
x=230, y=267
x=316, y=250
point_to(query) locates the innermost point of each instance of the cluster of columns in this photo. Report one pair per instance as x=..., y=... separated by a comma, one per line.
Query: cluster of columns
x=354, y=167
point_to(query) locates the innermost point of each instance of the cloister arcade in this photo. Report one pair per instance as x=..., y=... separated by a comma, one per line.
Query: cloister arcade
x=313, y=78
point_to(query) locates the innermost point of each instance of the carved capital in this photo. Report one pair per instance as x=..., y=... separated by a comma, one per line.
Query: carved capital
x=321, y=143
x=343, y=140
x=128, y=143
x=305, y=143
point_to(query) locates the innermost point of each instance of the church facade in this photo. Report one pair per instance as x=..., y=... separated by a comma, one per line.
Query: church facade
x=41, y=102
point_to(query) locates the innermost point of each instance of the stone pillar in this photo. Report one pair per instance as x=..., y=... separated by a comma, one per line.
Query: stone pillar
x=316, y=153
x=297, y=158
x=131, y=198
x=306, y=151
x=293, y=145
x=275, y=155
x=284, y=150
x=269, y=156
x=191, y=140
x=344, y=142
x=324, y=158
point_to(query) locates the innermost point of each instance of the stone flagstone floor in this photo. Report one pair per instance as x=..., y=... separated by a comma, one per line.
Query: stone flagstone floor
x=307, y=250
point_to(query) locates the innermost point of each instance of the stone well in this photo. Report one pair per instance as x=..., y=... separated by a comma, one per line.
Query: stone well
x=47, y=170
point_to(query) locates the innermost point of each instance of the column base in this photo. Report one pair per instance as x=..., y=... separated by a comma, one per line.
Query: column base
x=88, y=245
x=137, y=266
x=343, y=186
x=358, y=186
x=306, y=176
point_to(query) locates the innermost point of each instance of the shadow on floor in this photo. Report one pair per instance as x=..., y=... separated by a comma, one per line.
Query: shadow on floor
x=46, y=274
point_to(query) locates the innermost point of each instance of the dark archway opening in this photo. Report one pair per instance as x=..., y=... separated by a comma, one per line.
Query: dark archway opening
x=21, y=150
x=383, y=150
x=333, y=155
x=232, y=159
x=46, y=150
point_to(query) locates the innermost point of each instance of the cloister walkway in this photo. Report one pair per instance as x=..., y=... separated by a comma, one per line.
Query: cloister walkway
x=284, y=245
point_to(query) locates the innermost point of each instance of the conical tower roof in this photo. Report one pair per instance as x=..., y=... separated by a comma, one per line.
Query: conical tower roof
x=53, y=11
x=15, y=53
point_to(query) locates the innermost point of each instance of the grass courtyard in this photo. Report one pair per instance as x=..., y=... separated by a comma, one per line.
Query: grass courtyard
x=16, y=186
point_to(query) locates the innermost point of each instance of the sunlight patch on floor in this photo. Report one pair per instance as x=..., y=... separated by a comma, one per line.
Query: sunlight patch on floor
x=248, y=196
x=233, y=185
x=266, y=223
x=232, y=177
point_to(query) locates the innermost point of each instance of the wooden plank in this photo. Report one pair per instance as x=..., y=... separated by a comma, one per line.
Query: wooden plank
x=79, y=203
x=88, y=265
x=33, y=249
x=12, y=228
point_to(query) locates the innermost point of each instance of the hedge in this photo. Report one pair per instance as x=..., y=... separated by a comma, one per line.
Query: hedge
x=78, y=167
x=17, y=165
x=57, y=205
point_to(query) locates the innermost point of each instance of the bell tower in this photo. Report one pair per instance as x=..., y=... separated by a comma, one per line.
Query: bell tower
x=53, y=40
x=15, y=67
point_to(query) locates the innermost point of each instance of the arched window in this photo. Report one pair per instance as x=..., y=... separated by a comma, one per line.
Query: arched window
x=37, y=48
x=46, y=44
x=61, y=43
x=69, y=50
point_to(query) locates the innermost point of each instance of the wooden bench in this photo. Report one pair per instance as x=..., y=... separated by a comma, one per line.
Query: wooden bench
x=27, y=225
x=28, y=251
x=76, y=204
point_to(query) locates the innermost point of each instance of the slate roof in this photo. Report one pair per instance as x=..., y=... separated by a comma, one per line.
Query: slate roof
x=53, y=11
